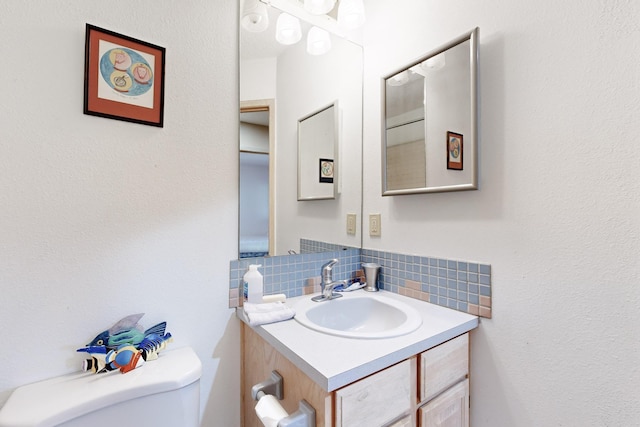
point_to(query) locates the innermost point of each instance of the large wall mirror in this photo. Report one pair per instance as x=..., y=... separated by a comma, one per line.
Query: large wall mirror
x=430, y=118
x=286, y=83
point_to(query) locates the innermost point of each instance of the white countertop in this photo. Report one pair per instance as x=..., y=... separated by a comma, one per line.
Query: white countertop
x=333, y=361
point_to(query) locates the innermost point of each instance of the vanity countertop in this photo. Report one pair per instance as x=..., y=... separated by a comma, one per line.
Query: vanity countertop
x=334, y=361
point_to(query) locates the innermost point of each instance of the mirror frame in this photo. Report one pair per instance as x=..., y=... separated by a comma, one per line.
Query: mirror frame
x=471, y=36
x=336, y=150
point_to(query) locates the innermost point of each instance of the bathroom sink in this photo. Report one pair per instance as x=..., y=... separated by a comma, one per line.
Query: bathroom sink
x=359, y=315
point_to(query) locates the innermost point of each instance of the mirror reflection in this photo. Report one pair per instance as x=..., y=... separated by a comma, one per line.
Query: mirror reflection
x=297, y=81
x=430, y=119
x=318, y=141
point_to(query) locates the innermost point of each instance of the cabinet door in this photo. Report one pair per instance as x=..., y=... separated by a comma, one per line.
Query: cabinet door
x=376, y=400
x=443, y=366
x=450, y=409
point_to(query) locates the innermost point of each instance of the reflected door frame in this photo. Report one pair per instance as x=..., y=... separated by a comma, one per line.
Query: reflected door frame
x=268, y=105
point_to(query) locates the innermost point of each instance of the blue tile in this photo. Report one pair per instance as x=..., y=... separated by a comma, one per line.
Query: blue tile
x=463, y=286
x=452, y=264
x=433, y=299
x=472, y=278
x=463, y=296
x=485, y=280
x=462, y=306
x=433, y=262
x=462, y=275
x=473, y=268
x=473, y=288
x=474, y=299
x=442, y=263
x=462, y=266
x=452, y=284
x=485, y=291
x=452, y=293
x=485, y=269
x=452, y=274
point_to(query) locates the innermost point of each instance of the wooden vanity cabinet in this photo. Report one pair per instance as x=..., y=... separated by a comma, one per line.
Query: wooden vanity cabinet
x=430, y=389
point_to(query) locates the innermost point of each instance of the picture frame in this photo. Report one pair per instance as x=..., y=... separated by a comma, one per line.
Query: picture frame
x=123, y=78
x=326, y=170
x=455, y=151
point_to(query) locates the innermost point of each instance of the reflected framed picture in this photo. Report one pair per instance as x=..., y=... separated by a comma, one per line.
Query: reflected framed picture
x=455, y=151
x=326, y=170
x=123, y=78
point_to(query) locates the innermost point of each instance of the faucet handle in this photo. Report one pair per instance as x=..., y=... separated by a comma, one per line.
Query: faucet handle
x=329, y=265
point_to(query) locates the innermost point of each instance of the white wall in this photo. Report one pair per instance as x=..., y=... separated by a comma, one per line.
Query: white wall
x=102, y=218
x=557, y=214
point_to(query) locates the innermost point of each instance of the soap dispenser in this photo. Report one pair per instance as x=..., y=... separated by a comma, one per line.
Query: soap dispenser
x=253, y=285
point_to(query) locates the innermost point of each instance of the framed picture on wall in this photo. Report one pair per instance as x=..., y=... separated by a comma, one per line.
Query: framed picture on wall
x=326, y=170
x=123, y=78
x=454, y=151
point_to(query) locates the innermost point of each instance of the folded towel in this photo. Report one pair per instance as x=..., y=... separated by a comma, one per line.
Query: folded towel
x=260, y=314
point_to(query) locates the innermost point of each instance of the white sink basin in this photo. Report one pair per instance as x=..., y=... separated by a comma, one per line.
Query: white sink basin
x=359, y=315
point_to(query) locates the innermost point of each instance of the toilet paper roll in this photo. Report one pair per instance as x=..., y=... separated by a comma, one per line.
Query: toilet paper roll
x=269, y=411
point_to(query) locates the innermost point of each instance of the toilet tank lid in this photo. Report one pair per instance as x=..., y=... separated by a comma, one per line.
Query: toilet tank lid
x=56, y=400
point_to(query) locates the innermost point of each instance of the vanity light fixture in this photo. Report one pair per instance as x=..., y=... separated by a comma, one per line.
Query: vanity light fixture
x=254, y=16
x=319, y=7
x=288, y=29
x=318, y=41
x=351, y=14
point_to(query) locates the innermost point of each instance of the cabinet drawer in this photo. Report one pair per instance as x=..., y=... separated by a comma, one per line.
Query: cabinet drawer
x=375, y=400
x=450, y=409
x=443, y=366
x=404, y=422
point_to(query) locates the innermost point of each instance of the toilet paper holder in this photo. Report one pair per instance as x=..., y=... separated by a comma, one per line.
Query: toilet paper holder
x=305, y=416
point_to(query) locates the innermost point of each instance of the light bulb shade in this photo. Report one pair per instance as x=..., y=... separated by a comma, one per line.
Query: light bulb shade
x=399, y=79
x=254, y=16
x=319, y=7
x=434, y=63
x=318, y=41
x=288, y=29
x=351, y=14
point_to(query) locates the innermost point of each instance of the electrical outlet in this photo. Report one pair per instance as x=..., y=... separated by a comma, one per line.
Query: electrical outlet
x=374, y=225
x=351, y=224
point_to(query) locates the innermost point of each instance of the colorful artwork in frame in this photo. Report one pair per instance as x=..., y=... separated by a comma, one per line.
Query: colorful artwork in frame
x=454, y=151
x=326, y=170
x=123, y=78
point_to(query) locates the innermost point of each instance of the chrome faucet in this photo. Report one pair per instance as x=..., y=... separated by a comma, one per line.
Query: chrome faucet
x=328, y=284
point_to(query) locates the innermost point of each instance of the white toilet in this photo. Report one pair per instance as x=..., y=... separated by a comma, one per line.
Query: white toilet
x=161, y=393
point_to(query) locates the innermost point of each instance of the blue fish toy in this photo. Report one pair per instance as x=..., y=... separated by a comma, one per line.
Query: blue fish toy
x=126, y=331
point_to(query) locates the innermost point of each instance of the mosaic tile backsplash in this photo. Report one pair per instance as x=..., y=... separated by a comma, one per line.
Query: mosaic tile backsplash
x=460, y=285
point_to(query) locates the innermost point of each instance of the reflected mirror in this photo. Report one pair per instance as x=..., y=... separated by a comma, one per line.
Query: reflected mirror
x=430, y=122
x=291, y=83
x=318, y=142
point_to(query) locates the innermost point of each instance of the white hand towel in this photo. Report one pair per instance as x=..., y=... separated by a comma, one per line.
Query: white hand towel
x=260, y=314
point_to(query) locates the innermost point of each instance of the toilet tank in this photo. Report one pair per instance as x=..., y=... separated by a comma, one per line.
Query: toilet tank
x=161, y=393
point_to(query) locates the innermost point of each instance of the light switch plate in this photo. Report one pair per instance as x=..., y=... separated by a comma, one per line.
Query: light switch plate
x=351, y=223
x=374, y=225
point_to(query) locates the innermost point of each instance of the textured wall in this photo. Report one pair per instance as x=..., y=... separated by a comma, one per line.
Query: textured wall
x=557, y=215
x=101, y=218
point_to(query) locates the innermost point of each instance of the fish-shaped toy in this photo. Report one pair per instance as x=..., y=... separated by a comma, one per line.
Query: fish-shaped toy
x=126, y=331
x=125, y=346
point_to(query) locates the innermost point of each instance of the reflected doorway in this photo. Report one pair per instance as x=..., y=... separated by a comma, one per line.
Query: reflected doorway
x=257, y=179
